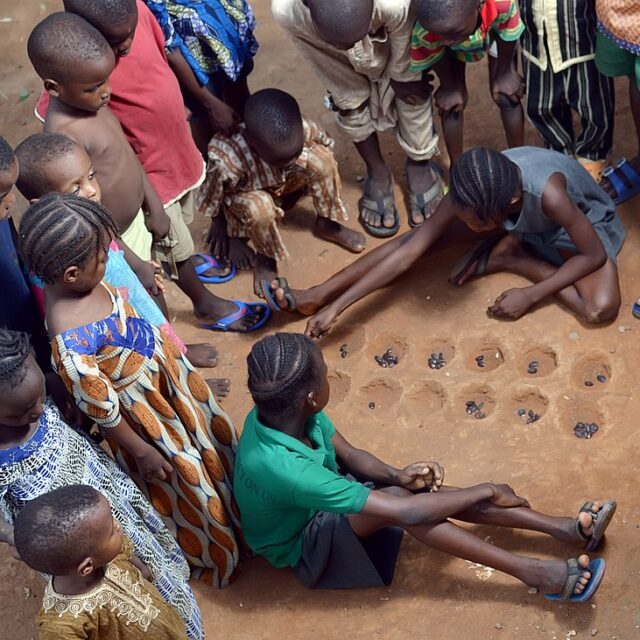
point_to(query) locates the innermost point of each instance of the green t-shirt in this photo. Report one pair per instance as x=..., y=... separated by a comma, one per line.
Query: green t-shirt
x=280, y=484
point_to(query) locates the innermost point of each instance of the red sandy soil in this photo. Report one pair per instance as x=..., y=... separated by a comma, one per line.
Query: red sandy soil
x=420, y=412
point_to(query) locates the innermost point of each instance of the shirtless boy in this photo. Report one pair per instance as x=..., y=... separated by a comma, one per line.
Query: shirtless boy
x=74, y=61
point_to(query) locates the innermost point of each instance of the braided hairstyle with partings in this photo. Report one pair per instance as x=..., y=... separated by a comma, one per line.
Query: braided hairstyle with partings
x=7, y=156
x=64, y=230
x=282, y=368
x=15, y=348
x=485, y=180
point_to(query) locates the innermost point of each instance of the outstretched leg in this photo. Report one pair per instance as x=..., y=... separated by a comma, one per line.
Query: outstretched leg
x=547, y=575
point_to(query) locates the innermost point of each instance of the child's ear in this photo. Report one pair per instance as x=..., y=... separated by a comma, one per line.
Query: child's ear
x=86, y=567
x=70, y=274
x=52, y=88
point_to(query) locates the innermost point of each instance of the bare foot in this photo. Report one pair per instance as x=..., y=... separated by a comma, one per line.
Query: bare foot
x=339, y=234
x=551, y=576
x=219, y=238
x=202, y=355
x=376, y=187
x=241, y=254
x=605, y=183
x=220, y=387
x=421, y=176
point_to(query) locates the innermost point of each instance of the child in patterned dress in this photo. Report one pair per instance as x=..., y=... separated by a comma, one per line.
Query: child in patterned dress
x=98, y=589
x=158, y=414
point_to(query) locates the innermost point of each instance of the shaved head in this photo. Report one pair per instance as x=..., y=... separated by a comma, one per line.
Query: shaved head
x=341, y=22
x=439, y=15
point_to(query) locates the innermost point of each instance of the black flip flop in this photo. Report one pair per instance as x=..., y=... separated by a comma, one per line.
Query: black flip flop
x=601, y=520
x=272, y=300
x=379, y=206
x=481, y=253
x=422, y=201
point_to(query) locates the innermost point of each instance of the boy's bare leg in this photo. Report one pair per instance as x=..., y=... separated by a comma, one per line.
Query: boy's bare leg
x=379, y=182
x=594, y=298
x=453, y=130
x=225, y=248
x=337, y=233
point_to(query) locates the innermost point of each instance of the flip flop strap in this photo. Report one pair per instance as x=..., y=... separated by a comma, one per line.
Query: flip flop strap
x=242, y=311
x=377, y=205
x=620, y=187
x=628, y=170
x=574, y=571
x=421, y=200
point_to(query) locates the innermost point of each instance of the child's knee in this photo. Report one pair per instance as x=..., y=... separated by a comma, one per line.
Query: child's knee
x=603, y=308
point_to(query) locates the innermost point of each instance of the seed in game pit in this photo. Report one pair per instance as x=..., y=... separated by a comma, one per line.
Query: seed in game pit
x=387, y=360
x=585, y=430
x=601, y=379
x=480, y=361
x=436, y=361
x=533, y=367
x=372, y=405
x=343, y=351
x=522, y=412
x=588, y=383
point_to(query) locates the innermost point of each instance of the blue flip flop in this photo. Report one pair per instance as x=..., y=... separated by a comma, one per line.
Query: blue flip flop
x=623, y=192
x=244, y=308
x=636, y=309
x=574, y=570
x=209, y=262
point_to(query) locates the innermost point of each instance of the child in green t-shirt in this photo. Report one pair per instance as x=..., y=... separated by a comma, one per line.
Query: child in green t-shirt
x=299, y=510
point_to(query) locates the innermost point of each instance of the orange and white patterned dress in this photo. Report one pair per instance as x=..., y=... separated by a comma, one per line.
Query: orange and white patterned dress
x=122, y=367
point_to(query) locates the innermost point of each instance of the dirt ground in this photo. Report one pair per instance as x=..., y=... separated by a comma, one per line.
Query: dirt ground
x=420, y=413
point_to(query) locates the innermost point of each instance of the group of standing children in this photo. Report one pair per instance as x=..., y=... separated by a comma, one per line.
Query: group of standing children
x=113, y=182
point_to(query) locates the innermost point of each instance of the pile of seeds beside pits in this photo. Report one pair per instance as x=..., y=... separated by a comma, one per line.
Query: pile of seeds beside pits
x=585, y=430
x=529, y=417
x=436, y=361
x=475, y=409
x=387, y=360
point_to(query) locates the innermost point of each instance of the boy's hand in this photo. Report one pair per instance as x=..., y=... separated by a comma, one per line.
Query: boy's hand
x=505, y=496
x=422, y=475
x=450, y=100
x=511, y=305
x=150, y=275
x=412, y=92
x=152, y=464
x=509, y=84
x=223, y=118
x=157, y=222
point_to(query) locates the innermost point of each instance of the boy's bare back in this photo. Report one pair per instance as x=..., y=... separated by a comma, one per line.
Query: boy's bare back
x=115, y=162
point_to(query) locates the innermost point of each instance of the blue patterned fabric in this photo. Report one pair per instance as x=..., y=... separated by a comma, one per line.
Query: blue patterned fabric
x=57, y=456
x=90, y=338
x=213, y=35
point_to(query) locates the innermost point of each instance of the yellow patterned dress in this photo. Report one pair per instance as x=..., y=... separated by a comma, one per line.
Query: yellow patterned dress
x=121, y=367
x=123, y=606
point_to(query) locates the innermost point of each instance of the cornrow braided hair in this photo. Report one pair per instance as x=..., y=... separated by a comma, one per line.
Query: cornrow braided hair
x=282, y=367
x=64, y=230
x=486, y=180
x=15, y=348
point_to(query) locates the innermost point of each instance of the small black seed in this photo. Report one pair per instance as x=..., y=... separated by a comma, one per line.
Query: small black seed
x=372, y=405
x=470, y=403
x=480, y=415
x=600, y=378
x=522, y=412
x=588, y=383
x=344, y=354
x=533, y=364
x=343, y=347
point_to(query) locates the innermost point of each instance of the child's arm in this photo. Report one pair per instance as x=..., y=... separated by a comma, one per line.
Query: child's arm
x=149, y=273
x=557, y=205
x=221, y=116
x=383, y=265
x=157, y=221
x=426, y=508
x=363, y=464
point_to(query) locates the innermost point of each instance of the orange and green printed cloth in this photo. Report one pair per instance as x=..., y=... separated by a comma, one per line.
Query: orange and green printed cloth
x=497, y=18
